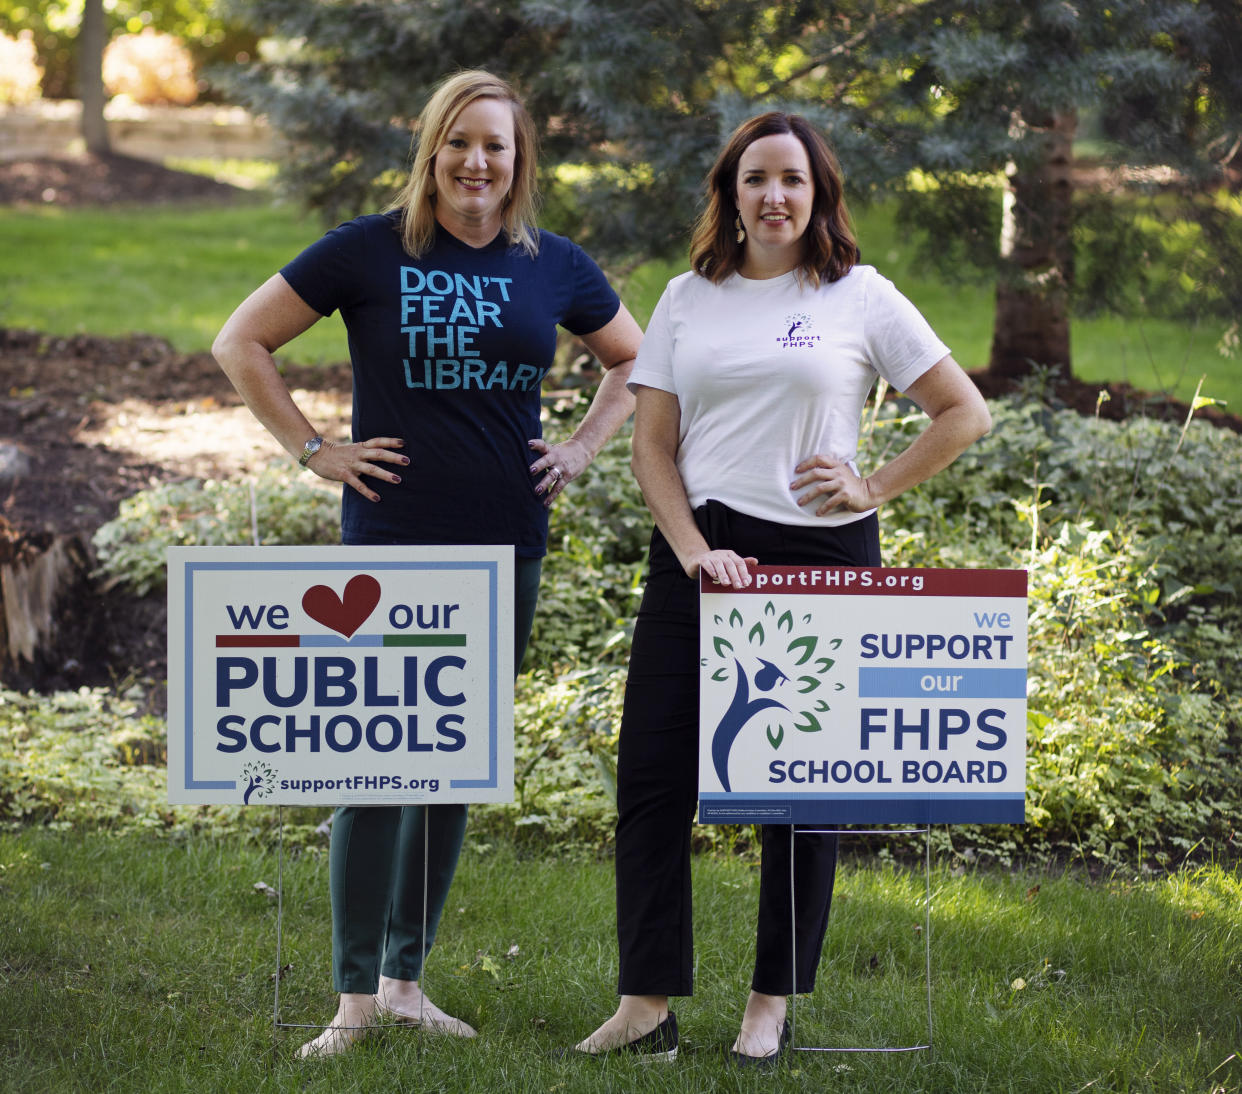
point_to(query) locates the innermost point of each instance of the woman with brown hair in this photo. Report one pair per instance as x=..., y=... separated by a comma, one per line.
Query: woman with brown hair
x=751, y=382
x=451, y=300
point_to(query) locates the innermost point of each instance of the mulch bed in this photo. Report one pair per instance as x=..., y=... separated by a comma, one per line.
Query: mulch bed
x=103, y=180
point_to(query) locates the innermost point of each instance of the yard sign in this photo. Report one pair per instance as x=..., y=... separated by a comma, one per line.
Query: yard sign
x=340, y=675
x=863, y=695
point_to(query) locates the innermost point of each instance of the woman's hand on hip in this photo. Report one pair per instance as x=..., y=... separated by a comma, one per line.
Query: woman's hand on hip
x=347, y=463
x=833, y=485
x=724, y=567
x=557, y=465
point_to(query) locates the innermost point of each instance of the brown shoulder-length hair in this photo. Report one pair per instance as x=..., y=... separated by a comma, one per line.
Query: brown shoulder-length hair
x=417, y=199
x=831, y=250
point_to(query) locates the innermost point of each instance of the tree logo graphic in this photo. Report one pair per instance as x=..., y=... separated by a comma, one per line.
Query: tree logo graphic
x=260, y=781
x=773, y=670
x=798, y=332
x=798, y=323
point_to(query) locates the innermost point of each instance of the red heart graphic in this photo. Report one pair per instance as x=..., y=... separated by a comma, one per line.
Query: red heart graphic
x=343, y=614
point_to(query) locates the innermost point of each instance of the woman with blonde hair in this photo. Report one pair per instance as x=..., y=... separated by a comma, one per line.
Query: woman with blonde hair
x=751, y=382
x=451, y=299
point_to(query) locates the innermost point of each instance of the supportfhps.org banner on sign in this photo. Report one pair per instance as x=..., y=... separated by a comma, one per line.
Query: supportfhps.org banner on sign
x=864, y=695
x=340, y=675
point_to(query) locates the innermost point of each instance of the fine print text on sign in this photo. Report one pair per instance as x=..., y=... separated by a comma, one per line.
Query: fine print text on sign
x=850, y=695
x=340, y=675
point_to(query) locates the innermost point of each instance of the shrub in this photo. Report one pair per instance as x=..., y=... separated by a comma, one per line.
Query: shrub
x=88, y=759
x=592, y=573
x=283, y=510
x=564, y=761
x=1132, y=538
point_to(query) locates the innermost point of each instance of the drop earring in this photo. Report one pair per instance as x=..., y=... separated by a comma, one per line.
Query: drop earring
x=741, y=232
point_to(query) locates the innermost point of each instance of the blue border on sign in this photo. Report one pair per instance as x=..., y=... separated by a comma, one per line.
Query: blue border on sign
x=911, y=808
x=493, y=585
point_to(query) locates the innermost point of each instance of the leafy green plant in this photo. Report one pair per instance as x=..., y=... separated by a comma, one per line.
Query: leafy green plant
x=284, y=509
x=564, y=762
x=1130, y=539
x=592, y=574
x=88, y=760
x=1130, y=533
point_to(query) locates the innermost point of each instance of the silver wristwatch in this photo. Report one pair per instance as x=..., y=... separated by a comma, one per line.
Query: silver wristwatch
x=312, y=446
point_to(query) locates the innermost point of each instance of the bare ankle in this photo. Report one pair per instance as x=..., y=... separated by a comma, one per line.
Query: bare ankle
x=356, y=1007
x=643, y=1007
x=764, y=1010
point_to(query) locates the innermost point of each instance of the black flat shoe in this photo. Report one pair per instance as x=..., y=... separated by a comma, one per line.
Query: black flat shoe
x=659, y=1044
x=740, y=1059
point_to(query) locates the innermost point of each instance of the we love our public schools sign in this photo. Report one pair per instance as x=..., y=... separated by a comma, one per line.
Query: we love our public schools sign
x=850, y=695
x=340, y=675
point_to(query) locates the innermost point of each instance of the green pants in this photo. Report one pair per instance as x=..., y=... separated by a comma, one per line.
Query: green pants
x=376, y=861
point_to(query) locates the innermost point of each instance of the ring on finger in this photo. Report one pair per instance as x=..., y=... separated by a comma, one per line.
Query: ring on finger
x=555, y=472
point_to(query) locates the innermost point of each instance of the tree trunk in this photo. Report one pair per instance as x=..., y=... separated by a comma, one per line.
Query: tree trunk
x=92, y=37
x=1032, y=292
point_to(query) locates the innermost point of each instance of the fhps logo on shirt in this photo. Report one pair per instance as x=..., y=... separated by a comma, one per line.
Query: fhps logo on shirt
x=799, y=332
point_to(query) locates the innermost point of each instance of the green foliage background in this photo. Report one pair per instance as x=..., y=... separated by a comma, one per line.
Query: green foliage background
x=1130, y=532
x=940, y=104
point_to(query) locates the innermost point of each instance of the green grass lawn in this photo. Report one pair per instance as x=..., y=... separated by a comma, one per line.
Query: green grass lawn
x=140, y=964
x=178, y=272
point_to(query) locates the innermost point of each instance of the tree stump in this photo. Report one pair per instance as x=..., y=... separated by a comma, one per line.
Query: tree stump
x=39, y=572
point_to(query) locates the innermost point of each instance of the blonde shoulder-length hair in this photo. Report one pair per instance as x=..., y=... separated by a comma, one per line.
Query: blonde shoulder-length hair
x=830, y=250
x=417, y=200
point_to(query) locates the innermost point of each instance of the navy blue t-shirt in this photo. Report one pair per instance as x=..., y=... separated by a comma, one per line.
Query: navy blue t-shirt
x=448, y=352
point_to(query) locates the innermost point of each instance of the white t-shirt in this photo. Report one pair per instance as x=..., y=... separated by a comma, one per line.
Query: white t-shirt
x=770, y=372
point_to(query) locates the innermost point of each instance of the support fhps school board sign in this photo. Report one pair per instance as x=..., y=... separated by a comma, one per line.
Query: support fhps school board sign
x=340, y=675
x=841, y=695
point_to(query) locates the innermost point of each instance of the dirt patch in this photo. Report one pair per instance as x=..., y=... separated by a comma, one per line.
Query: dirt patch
x=104, y=180
x=90, y=421
x=86, y=422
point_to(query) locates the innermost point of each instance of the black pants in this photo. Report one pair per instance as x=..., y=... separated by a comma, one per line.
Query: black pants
x=657, y=774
